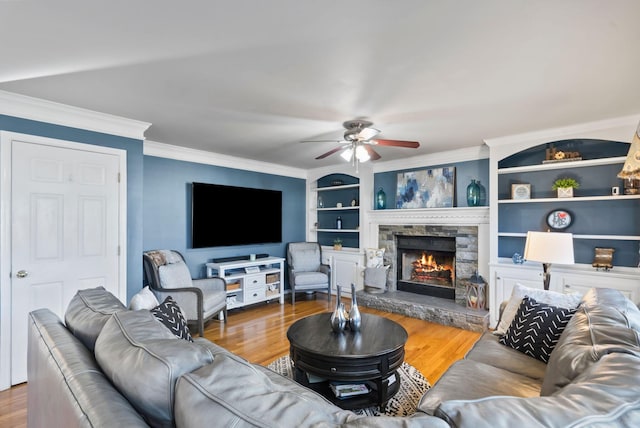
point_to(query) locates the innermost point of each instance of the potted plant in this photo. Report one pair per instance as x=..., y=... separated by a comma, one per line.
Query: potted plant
x=565, y=186
x=337, y=244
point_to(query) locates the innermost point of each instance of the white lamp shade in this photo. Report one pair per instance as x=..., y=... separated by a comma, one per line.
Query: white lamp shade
x=549, y=247
x=631, y=167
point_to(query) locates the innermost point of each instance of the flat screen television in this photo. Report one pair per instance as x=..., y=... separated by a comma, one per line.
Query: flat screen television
x=228, y=215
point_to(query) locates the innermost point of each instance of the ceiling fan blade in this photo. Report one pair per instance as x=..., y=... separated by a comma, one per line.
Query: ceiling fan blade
x=323, y=141
x=397, y=143
x=330, y=152
x=372, y=153
x=367, y=133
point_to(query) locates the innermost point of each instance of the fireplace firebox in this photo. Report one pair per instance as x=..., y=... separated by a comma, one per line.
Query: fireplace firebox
x=426, y=265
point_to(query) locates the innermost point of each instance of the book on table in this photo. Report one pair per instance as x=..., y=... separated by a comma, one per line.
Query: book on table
x=347, y=390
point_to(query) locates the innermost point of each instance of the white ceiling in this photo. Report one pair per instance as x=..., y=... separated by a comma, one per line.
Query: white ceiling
x=252, y=78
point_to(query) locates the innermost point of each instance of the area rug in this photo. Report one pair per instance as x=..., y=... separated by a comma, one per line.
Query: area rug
x=413, y=385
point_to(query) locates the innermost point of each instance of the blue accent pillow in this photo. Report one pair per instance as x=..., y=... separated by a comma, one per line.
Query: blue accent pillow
x=536, y=328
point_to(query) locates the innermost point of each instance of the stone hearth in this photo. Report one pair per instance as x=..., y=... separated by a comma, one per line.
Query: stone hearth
x=428, y=308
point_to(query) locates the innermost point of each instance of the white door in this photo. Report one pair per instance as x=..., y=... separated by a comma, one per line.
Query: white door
x=65, y=231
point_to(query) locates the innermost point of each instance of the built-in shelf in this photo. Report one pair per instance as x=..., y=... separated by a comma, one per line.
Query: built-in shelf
x=338, y=230
x=569, y=200
x=339, y=208
x=562, y=165
x=343, y=186
x=606, y=237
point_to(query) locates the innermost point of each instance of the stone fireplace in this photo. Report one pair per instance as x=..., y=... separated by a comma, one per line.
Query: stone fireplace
x=426, y=265
x=457, y=239
x=455, y=249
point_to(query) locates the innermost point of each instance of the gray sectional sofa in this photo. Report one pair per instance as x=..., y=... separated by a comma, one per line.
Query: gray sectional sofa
x=108, y=366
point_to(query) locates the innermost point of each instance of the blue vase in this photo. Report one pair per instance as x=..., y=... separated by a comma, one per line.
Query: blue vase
x=381, y=200
x=473, y=194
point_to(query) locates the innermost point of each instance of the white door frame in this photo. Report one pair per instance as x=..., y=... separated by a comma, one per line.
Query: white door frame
x=6, y=138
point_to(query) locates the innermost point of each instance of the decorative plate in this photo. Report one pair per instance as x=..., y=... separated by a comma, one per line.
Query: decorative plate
x=559, y=219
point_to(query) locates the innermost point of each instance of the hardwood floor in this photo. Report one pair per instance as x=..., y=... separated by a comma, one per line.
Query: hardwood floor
x=259, y=334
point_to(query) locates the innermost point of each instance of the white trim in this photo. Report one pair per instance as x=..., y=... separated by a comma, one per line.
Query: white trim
x=61, y=114
x=460, y=155
x=163, y=150
x=620, y=129
x=5, y=232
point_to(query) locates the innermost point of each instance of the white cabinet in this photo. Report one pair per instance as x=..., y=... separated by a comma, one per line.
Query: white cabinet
x=576, y=279
x=250, y=281
x=346, y=267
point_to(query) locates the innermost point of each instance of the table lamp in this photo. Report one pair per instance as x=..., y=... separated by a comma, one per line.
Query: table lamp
x=547, y=248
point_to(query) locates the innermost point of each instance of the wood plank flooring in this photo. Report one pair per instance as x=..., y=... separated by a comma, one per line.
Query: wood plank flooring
x=259, y=334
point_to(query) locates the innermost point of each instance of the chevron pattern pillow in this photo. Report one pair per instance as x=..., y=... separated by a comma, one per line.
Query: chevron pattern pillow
x=170, y=315
x=536, y=328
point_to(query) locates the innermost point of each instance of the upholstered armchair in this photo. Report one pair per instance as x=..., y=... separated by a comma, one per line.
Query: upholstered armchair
x=201, y=299
x=306, y=271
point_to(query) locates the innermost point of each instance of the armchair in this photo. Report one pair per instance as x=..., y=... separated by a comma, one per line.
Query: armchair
x=306, y=271
x=201, y=299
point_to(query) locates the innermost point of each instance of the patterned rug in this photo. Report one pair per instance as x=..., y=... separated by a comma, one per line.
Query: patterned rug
x=413, y=385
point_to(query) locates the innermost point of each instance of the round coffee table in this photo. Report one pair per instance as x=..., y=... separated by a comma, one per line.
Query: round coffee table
x=371, y=357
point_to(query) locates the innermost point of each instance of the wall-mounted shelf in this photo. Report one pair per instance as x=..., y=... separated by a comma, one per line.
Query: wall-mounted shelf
x=562, y=165
x=569, y=200
x=338, y=230
x=339, y=208
x=605, y=237
x=333, y=188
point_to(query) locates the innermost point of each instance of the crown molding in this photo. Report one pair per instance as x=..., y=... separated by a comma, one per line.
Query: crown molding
x=40, y=110
x=450, y=156
x=616, y=128
x=163, y=150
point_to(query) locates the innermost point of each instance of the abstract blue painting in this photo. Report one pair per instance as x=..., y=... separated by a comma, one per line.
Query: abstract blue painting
x=428, y=188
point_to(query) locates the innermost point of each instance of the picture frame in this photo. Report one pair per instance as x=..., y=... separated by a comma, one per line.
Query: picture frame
x=427, y=188
x=521, y=191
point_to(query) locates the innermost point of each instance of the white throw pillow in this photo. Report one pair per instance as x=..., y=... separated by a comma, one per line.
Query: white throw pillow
x=375, y=257
x=567, y=301
x=144, y=299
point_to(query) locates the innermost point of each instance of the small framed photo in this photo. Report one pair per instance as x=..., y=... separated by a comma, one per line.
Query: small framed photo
x=521, y=191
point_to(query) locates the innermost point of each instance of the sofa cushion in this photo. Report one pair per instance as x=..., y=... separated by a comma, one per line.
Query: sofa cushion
x=560, y=300
x=602, y=325
x=470, y=380
x=143, y=359
x=168, y=313
x=489, y=351
x=604, y=395
x=233, y=392
x=536, y=328
x=88, y=312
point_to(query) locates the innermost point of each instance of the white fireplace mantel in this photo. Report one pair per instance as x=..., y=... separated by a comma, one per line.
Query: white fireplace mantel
x=436, y=216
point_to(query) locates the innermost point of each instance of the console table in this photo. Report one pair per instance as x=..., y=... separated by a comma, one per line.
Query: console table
x=250, y=281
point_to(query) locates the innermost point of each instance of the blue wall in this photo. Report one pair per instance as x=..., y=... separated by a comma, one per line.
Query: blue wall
x=134, y=180
x=167, y=208
x=465, y=171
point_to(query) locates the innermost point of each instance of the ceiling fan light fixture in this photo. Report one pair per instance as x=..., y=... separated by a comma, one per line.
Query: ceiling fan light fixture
x=362, y=154
x=347, y=154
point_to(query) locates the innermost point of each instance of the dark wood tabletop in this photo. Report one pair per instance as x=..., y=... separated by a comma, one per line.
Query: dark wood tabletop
x=377, y=336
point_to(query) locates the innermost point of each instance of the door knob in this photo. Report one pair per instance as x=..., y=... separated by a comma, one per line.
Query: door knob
x=22, y=274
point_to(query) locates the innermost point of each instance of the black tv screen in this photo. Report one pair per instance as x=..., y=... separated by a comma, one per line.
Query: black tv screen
x=228, y=215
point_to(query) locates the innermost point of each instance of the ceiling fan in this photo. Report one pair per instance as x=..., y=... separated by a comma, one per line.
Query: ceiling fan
x=358, y=142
